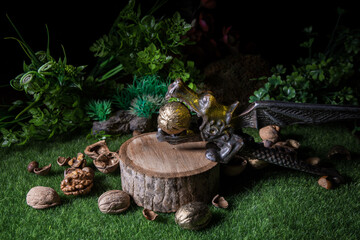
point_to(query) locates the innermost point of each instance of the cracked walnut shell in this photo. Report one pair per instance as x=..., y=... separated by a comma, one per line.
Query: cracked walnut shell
x=96, y=149
x=77, y=182
x=107, y=162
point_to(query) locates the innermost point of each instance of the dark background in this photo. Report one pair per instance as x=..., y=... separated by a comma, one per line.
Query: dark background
x=274, y=30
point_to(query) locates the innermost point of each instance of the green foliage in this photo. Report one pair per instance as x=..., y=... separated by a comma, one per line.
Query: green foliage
x=146, y=105
x=142, y=45
x=57, y=92
x=98, y=110
x=151, y=60
x=324, y=77
x=54, y=104
x=144, y=97
x=187, y=72
x=101, y=135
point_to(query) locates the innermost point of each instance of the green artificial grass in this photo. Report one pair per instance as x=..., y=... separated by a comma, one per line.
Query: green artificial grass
x=272, y=203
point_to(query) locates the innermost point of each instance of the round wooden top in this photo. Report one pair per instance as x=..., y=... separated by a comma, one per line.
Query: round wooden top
x=145, y=154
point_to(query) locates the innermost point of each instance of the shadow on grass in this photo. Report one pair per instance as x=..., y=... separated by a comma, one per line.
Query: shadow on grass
x=297, y=137
x=162, y=218
x=216, y=219
x=55, y=172
x=249, y=178
x=100, y=185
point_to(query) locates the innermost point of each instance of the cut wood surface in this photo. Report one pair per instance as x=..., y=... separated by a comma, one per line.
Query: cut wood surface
x=162, y=177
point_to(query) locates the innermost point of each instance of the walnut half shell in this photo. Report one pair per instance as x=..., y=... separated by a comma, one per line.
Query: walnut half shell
x=149, y=214
x=107, y=162
x=96, y=149
x=220, y=202
x=63, y=161
x=43, y=171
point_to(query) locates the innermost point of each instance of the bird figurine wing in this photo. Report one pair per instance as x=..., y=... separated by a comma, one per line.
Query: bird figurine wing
x=263, y=113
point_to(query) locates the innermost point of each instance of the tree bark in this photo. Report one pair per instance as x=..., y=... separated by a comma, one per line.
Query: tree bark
x=162, y=177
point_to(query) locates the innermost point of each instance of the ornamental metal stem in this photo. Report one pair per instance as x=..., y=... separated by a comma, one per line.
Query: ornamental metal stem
x=221, y=127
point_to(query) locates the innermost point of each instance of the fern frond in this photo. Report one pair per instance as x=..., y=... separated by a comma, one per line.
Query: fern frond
x=99, y=110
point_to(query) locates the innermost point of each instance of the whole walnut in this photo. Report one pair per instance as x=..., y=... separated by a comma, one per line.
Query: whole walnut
x=77, y=182
x=114, y=201
x=96, y=149
x=174, y=117
x=193, y=216
x=42, y=197
x=270, y=133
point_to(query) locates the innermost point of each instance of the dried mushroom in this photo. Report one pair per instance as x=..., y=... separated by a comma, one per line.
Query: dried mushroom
x=42, y=197
x=149, y=214
x=77, y=182
x=220, y=202
x=43, y=171
x=193, y=216
x=107, y=162
x=114, y=201
x=96, y=149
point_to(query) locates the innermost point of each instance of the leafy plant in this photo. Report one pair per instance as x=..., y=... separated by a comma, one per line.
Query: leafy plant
x=324, y=77
x=186, y=71
x=144, y=97
x=146, y=105
x=142, y=45
x=54, y=104
x=57, y=92
x=98, y=110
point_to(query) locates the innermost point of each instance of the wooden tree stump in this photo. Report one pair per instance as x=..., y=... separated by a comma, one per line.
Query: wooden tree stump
x=162, y=177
